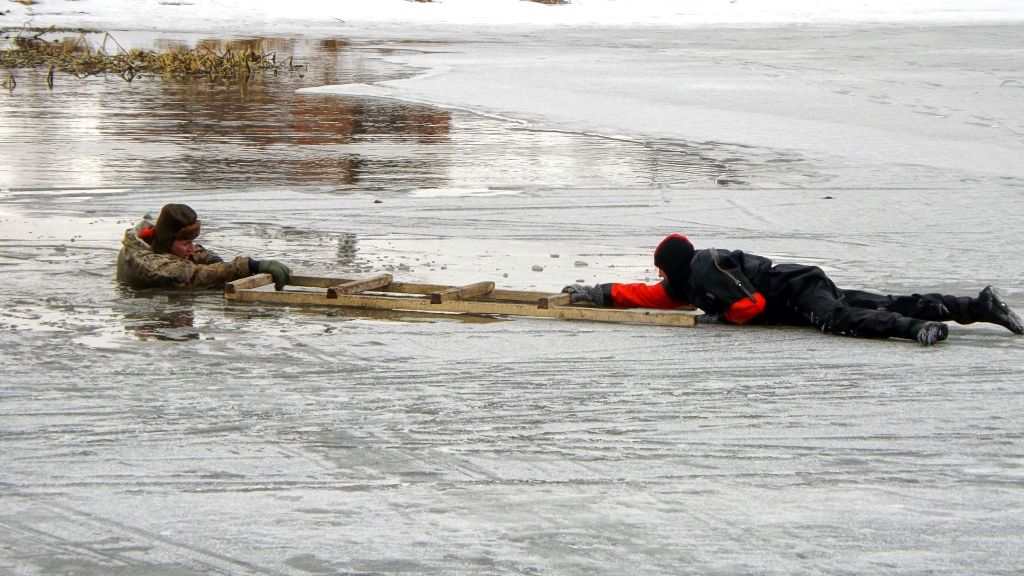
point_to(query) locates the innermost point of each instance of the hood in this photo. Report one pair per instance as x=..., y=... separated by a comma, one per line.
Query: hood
x=674, y=257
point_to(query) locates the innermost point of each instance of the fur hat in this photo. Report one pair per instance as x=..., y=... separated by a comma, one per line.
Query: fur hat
x=673, y=257
x=176, y=222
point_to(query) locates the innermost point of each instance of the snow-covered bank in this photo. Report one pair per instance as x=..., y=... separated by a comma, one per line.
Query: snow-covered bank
x=321, y=16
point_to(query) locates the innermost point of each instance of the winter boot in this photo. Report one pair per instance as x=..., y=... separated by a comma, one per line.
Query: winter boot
x=932, y=332
x=992, y=309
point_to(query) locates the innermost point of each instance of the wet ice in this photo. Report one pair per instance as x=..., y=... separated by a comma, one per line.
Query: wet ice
x=177, y=433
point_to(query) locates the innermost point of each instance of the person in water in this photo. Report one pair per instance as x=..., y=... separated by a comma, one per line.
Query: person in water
x=734, y=287
x=165, y=255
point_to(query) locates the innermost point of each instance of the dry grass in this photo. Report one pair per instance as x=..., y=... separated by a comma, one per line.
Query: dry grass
x=73, y=55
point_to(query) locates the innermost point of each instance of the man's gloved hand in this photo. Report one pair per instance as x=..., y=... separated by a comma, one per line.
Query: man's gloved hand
x=584, y=293
x=281, y=273
x=710, y=319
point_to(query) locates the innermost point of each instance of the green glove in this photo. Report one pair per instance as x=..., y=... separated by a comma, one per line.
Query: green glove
x=281, y=273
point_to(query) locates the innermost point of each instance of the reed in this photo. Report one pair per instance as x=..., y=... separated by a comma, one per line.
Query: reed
x=73, y=55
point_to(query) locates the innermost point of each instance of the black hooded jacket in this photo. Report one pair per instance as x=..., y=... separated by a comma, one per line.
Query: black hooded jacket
x=719, y=279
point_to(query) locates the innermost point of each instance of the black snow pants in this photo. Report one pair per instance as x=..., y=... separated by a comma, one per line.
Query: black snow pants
x=801, y=295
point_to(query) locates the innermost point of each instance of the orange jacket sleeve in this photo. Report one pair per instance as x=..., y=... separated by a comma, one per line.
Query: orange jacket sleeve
x=642, y=296
x=745, y=310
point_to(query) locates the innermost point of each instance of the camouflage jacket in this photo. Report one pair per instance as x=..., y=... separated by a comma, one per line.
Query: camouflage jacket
x=139, y=267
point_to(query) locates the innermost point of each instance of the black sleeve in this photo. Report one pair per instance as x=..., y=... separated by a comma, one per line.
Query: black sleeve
x=606, y=291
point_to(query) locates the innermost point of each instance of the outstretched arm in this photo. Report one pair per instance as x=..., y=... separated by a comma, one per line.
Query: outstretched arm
x=642, y=296
x=623, y=295
x=169, y=271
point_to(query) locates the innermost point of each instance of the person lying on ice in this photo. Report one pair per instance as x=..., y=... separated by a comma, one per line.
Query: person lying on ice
x=165, y=255
x=739, y=288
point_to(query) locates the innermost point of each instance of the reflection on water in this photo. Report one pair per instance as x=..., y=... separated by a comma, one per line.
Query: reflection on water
x=175, y=325
x=157, y=314
x=347, y=249
x=100, y=130
x=103, y=131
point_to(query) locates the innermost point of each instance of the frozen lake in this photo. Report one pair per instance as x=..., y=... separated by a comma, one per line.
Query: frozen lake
x=177, y=434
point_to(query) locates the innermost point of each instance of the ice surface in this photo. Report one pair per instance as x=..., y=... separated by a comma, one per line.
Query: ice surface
x=170, y=433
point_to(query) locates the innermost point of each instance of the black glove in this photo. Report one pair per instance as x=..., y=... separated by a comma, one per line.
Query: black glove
x=281, y=273
x=710, y=319
x=584, y=293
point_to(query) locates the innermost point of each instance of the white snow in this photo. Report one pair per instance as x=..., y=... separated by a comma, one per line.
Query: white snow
x=272, y=15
